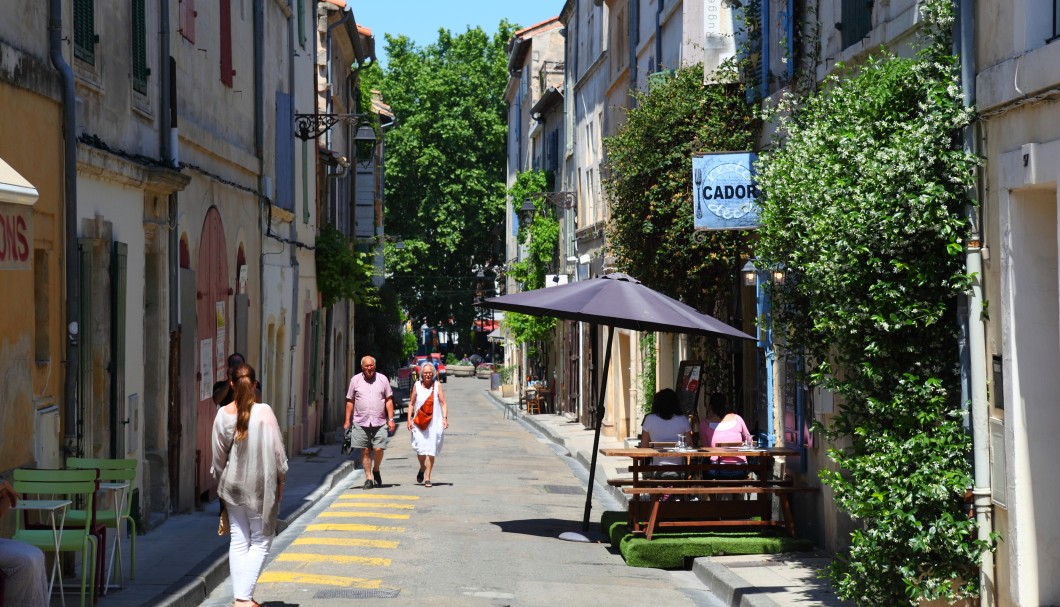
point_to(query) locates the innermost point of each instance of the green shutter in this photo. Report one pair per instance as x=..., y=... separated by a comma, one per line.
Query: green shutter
x=139, y=47
x=301, y=23
x=119, y=263
x=857, y=21
x=314, y=355
x=85, y=31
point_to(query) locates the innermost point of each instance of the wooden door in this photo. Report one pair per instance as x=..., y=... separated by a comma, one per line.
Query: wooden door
x=212, y=307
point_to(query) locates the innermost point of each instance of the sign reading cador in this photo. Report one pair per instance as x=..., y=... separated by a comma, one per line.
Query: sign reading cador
x=725, y=195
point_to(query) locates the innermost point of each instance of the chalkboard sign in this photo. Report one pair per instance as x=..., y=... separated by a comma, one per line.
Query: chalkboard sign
x=689, y=384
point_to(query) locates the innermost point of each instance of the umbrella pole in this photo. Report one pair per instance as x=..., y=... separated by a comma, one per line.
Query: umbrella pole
x=598, y=423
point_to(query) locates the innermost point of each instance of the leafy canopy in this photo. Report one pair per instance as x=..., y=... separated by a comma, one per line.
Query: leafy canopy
x=864, y=208
x=445, y=165
x=541, y=237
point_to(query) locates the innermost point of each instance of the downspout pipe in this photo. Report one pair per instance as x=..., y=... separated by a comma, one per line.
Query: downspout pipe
x=258, y=17
x=976, y=330
x=73, y=286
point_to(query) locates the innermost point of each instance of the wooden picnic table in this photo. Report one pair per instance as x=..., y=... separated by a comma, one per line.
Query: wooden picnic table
x=692, y=500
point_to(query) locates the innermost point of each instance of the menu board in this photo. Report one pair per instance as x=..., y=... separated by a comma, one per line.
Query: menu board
x=689, y=385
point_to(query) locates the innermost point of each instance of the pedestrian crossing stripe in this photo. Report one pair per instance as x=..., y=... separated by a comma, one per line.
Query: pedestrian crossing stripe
x=376, y=496
x=353, y=527
x=389, y=515
x=390, y=505
x=291, y=577
x=348, y=542
x=340, y=559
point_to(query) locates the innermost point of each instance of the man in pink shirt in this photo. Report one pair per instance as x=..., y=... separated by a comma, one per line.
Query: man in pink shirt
x=370, y=406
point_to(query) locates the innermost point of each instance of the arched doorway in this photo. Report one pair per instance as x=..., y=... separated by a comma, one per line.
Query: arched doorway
x=212, y=289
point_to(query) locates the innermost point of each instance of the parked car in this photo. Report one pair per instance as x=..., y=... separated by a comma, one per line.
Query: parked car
x=435, y=359
x=439, y=366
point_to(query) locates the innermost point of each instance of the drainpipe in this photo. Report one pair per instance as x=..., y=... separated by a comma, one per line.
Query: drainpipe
x=658, y=35
x=264, y=189
x=73, y=286
x=294, y=320
x=976, y=330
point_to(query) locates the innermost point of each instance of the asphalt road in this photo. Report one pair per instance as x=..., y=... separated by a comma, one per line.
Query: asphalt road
x=486, y=534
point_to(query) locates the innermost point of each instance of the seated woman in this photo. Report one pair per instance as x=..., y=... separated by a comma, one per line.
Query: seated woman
x=721, y=426
x=663, y=425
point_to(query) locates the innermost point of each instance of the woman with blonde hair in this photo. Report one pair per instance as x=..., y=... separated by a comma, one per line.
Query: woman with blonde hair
x=250, y=465
x=426, y=425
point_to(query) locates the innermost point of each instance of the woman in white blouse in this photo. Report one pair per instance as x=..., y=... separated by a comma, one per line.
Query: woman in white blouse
x=250, y=466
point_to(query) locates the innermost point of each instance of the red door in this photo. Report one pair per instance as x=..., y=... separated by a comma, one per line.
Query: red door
x=211, y=294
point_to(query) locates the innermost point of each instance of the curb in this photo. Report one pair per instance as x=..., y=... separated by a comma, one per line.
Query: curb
x=729, y=587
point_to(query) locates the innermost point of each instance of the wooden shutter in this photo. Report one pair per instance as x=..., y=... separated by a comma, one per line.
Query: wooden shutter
x=857, y=21
x=284, y=152
x=140, y=71
x=314, y=355
x=226, y=43
x=85, y=31
x=119, y=294
x=187, y=19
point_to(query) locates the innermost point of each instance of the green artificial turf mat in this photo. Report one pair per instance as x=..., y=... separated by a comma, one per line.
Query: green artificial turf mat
x=670, y=550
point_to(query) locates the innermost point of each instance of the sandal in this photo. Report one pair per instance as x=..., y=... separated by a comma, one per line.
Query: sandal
x=419, y=476
x=427, y=484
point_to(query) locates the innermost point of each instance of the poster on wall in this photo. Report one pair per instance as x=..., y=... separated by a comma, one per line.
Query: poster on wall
x=205, y=368
x=689, y=385
x=220, y=356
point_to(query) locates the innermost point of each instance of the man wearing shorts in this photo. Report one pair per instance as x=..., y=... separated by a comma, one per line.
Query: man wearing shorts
x=370, y=406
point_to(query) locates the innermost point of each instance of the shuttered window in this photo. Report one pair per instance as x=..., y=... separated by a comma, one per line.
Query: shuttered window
x=857, y=21
x=140, y=71
x=187, y=19
x=1056, y=20
x=226, y=43
x=301, y=23
x=85, y=31
x=284, y=152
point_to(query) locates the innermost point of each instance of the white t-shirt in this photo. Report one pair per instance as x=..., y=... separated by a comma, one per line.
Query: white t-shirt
x=665, y=431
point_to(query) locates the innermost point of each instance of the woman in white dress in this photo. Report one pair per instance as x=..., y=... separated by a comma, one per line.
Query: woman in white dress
x=425, y=423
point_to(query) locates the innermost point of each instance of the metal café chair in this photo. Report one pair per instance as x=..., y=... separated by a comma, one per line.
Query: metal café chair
x=118, y=475
x=78, y=486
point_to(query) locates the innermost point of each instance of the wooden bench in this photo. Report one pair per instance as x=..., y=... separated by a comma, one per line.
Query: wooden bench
x=667, y=512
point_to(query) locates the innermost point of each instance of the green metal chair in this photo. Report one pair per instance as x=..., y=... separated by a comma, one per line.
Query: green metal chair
x=80, y=487
x=116, y=471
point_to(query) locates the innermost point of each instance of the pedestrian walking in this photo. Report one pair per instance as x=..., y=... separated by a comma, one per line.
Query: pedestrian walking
x=370, y=407
x=250, y=465
x=427, y=427
x=222, y=393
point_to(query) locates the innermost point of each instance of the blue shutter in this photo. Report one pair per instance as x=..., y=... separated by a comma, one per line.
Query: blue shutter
x=857, y=21
x=284, y=168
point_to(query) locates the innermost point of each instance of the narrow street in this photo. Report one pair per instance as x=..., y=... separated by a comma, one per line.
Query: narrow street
x=485, y=534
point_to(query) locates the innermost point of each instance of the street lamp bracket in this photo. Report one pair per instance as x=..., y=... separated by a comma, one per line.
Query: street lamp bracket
x=311, y=126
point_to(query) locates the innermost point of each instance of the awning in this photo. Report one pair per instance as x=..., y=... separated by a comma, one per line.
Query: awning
x=495, y=335
x=14, y=188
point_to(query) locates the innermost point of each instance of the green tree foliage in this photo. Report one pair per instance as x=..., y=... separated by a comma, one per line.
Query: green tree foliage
x=342, y=272
x=864, y=207
x=377, y=332
x=649, y=187
x=541, y=238
x=445, y=165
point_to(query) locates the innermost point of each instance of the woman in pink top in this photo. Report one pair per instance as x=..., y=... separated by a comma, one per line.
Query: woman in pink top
x=720, y=426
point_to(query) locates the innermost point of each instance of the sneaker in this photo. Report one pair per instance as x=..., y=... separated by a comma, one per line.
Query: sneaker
x=368, y=484
x=378, y=477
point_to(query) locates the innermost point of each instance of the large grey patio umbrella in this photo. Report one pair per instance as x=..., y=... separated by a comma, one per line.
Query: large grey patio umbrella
x=617, y=301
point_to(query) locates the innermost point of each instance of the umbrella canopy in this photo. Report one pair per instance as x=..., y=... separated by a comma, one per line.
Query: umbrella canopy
x=613, y=300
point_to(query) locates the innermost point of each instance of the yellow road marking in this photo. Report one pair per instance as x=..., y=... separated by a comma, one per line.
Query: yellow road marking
x=376, y=496
x=390, y=515
x=290, y=577
x=344, y=541
x=352, y=527
x=374, y=505
x=305, y=557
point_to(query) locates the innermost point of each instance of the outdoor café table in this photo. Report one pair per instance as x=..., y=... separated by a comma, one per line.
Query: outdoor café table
x=691, y=500
x=120, y=490
x=56, y=511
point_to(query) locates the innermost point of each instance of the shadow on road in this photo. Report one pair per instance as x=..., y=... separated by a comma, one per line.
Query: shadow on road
x=548, y=527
